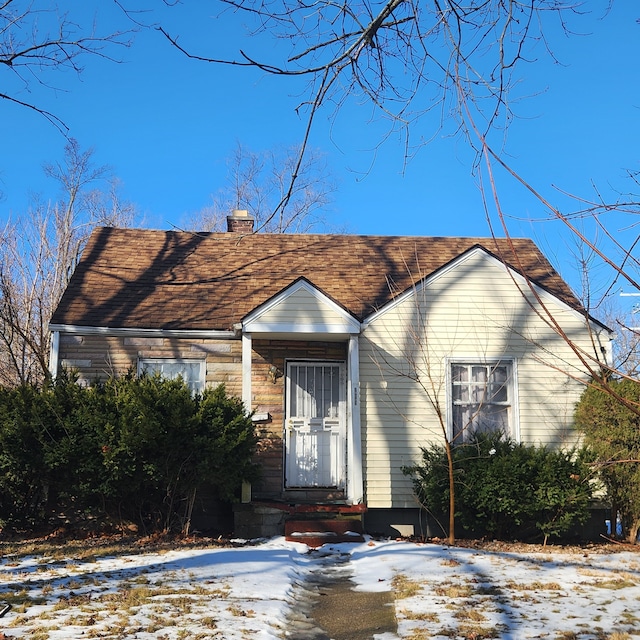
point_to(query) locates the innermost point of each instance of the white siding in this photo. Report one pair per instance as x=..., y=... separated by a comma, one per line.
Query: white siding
x=301, y=307
x=472, y=311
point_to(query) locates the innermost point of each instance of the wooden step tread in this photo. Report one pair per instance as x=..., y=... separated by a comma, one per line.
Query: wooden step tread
x=323, y=525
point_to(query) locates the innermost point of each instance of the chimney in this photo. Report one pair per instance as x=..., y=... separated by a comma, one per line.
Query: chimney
x=240, y=221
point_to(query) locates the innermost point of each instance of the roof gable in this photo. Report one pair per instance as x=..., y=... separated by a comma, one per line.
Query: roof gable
x=145, y=279
x=300, y=308
x=521, y=281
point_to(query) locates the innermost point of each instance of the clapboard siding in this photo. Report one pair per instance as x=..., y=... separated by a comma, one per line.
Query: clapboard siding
x=473, y=311
x=302, y=307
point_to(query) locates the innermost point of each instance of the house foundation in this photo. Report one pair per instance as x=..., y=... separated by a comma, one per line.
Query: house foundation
x=255, y=520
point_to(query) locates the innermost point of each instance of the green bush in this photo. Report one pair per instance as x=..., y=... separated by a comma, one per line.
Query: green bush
x=226, y=441
x=23, y=483
x=506, y=489
x=163, y=444
x=609, y=417
x=67, y=428
x=129, y=448
x=147, y=448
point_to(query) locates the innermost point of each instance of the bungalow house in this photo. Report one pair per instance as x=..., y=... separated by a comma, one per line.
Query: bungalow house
x=352, y=351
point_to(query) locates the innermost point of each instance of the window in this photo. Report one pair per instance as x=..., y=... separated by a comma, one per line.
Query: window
x=482, y=398
x=191, y=371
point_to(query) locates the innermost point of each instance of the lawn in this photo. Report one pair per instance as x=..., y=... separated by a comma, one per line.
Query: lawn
x=212, y=589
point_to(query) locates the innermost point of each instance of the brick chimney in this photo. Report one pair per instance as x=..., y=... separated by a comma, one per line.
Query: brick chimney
x=240, y=221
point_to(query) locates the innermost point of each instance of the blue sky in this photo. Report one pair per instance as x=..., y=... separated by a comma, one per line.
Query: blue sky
x=167, y=125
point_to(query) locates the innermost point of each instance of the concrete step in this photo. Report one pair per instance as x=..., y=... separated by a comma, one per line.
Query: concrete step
x=315, y=532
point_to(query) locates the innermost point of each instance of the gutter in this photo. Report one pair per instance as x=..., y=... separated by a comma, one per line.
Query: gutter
x=139, y=332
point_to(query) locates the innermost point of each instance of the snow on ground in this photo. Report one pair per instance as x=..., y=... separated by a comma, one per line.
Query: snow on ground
x=236, y=593
x=444, y=592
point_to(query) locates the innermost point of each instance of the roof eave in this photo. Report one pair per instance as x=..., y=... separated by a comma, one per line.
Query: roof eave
x=215, y=334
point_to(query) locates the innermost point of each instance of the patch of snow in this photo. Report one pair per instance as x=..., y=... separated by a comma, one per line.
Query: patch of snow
x=234, y=593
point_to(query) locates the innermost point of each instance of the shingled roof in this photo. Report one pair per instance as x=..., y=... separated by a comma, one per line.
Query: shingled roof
x=145, y=279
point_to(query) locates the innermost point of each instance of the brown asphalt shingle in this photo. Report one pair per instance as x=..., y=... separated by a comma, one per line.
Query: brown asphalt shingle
x=137, y=278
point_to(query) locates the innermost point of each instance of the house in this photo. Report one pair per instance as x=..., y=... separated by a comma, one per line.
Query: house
x=342, y=346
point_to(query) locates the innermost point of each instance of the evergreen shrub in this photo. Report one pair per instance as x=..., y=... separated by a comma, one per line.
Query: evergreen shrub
x=609, y=417
x=128, y=448
x=504, y=489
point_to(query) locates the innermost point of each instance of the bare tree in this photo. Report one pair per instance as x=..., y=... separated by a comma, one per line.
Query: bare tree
x=38, y=253
x=605, y=231
x=38, y=41
x=461, y=61
x=627, y=347
x=416, y=362
x=257, y=182
x=404, y=58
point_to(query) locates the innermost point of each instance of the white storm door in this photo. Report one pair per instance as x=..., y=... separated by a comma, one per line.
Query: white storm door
x=315, y=425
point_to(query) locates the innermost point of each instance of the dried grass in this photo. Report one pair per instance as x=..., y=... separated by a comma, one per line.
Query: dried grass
x=453, y=590
x=404, y=588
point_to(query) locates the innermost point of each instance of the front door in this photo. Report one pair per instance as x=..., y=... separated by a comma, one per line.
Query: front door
x=315, y=425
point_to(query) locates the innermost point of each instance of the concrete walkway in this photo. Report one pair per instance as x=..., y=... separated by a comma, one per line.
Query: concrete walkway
x=325, y=606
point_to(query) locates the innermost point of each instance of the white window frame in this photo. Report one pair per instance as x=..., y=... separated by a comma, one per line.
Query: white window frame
x=512, y=393
x=196, y=387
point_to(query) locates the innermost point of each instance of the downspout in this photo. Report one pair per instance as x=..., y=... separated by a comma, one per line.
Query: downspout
x=608, y=349
x=246, y=398
x=246, y=372
x=54, y=354
x=604, y=342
